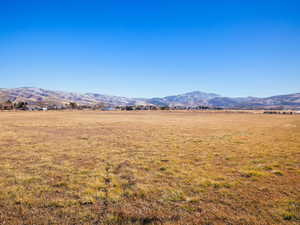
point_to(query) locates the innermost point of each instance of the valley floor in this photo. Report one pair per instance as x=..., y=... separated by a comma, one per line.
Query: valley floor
x=88, y=167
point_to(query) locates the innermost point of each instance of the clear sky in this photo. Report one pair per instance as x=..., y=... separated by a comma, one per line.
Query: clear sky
x=143, y=48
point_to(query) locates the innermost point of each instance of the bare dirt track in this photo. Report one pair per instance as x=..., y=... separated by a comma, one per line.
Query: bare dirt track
x=88, y=167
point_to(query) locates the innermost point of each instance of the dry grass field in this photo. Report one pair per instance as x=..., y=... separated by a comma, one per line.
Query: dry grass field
x=168, y=168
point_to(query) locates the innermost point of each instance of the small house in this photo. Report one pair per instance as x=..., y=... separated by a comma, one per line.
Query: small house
x=8, y=105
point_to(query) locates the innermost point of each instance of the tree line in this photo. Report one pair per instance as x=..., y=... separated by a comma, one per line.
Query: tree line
x=36, y=106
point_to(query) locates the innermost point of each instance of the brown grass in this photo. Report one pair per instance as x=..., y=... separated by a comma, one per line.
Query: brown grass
x=149, y=168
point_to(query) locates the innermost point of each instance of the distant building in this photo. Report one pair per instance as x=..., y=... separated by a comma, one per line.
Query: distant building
x=8, y=105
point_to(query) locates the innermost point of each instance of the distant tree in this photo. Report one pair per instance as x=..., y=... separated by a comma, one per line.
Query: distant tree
x=73, y=105
x=129, y=108
x=139, y=107
x=21, y=105
x=164, y=108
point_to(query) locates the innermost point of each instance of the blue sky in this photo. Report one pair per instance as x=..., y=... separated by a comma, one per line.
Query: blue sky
x=140, y=48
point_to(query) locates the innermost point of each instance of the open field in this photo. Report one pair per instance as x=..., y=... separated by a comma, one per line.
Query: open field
x=149, y=168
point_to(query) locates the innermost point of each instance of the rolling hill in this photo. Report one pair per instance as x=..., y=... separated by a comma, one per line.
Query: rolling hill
x=33, y=95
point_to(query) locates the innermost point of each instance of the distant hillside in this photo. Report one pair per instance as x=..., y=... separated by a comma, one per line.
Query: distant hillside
x=195, y=98
x=33, y=95
x=291, y=101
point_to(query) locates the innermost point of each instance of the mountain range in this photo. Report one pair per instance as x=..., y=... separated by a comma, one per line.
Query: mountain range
x=33, y=95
